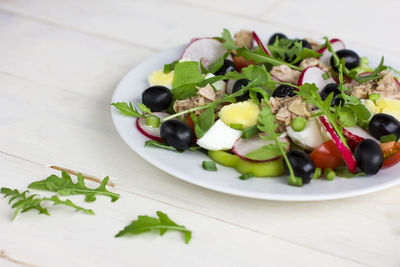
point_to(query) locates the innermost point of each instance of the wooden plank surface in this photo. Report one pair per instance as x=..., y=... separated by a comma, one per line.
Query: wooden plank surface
x=60, y=63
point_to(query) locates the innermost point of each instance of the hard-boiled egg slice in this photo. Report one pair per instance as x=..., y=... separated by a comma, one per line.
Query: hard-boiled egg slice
x=158, y=77
x=309, y=138
x=219, y=137
x=244, y=113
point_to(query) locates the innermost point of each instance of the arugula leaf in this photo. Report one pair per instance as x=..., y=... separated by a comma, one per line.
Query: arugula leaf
x=310, y=93
x=22, y=202
x=291, y=50
x=344, y=172
x=227, y=41
x=203, y=122
x=363, y=67
x=268, y=125
x=64, y=186
x=306, y=53
x=186, y=72
x=154, y=143
x=347, y=117
x=170, y=67
x=264, y=152
x=128, y=109
x=146, y=223
x=143, y=108
x=216, y=65
x=257, y=58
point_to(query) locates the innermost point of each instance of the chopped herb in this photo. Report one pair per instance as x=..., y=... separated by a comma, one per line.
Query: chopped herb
x=329, y=174
x=22, y=202
x=317, y=173
x=209, y=165
x=374, y=97
x=227, y=40
x=246, y=176
x=249, y=132
x=388, y=138
x=298, y=124
x=162, y=224
x=326, y=75
x=153, y=121
x=64, y=186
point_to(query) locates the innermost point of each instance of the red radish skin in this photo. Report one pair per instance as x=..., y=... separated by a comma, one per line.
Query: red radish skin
x=355, y=135
x=207, y=50
x=344, y=150
x=148, y=131
x=314, y=75
x=258, y=40
x=244, y=146
x=337, y=44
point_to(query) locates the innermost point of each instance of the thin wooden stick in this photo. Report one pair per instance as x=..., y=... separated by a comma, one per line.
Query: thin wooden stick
x=88, y=177
x=4, y=255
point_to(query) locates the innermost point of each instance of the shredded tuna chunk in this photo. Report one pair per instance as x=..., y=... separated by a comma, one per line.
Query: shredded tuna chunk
x=244, y=37
x=285, y=74
x=313, y=62
x=385, y=86
x=204, y=96
x=288, y=108
x=314, y=44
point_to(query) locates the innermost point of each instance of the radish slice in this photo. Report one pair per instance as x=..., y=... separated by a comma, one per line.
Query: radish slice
x=207, y=50
x=148, y=131
x=355, y=135
x=242, y=147
x=314, y=75
x=260, y=44
x=337, y=45
x=344, y=150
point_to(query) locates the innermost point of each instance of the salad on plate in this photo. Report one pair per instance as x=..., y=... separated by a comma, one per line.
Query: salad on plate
x=310, y=109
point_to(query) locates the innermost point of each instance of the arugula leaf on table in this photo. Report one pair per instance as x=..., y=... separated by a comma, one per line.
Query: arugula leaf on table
x=170, y=67
x=64, y=186
x=203, y=122
x=22, y=202
x=162, y=224
x=268, y=125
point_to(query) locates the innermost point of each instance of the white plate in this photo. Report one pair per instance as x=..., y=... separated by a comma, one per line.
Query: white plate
x=187, y=165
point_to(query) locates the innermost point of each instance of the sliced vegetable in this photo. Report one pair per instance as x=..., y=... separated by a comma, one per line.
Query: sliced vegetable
x=355, y=135
x=224, y=158
x=344, y=150
x=327, y=155
x=208, y=50
x=337, y=44
x=265, y=169
x=260, y=44
x=257, y=149
x=314, y=75
x=391, y=153
x=148, y=130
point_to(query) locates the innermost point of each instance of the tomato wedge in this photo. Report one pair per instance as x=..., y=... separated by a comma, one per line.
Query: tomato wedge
x=327, y=155
x=391, y=153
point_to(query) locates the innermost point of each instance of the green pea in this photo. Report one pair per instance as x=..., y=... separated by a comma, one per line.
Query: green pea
x=298, y=124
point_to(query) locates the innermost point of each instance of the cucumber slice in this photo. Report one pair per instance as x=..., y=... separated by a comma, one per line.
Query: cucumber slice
x=223, y=158
x=265, y=169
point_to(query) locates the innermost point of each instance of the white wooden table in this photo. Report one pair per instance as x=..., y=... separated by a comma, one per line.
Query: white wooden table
x=59, y=64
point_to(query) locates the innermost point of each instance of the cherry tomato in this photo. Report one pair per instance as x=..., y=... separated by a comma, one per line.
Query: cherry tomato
x=241, y=62
x=327, y=155
x=391, y=153
x=189, y=122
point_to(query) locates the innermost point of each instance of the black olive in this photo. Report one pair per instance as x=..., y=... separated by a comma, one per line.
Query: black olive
x=157, y=98
x=237, y=86
x=302, y=165
x=273, y=37
x=383, y=124
x=305, y=43
x=328, y=89
x=369, y=156
x=284, y=90
x=177, y=134
x=226, y=67
x=351, y=58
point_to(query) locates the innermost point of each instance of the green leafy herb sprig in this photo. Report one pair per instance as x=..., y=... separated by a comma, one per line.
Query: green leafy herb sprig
x=291, y=50
x=374, y=75
x=268, y=125
x=162, y=224
x=64, y=186
x=23, y=201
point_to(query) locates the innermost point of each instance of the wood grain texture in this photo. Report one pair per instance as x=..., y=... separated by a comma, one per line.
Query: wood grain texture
x=60, y=63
